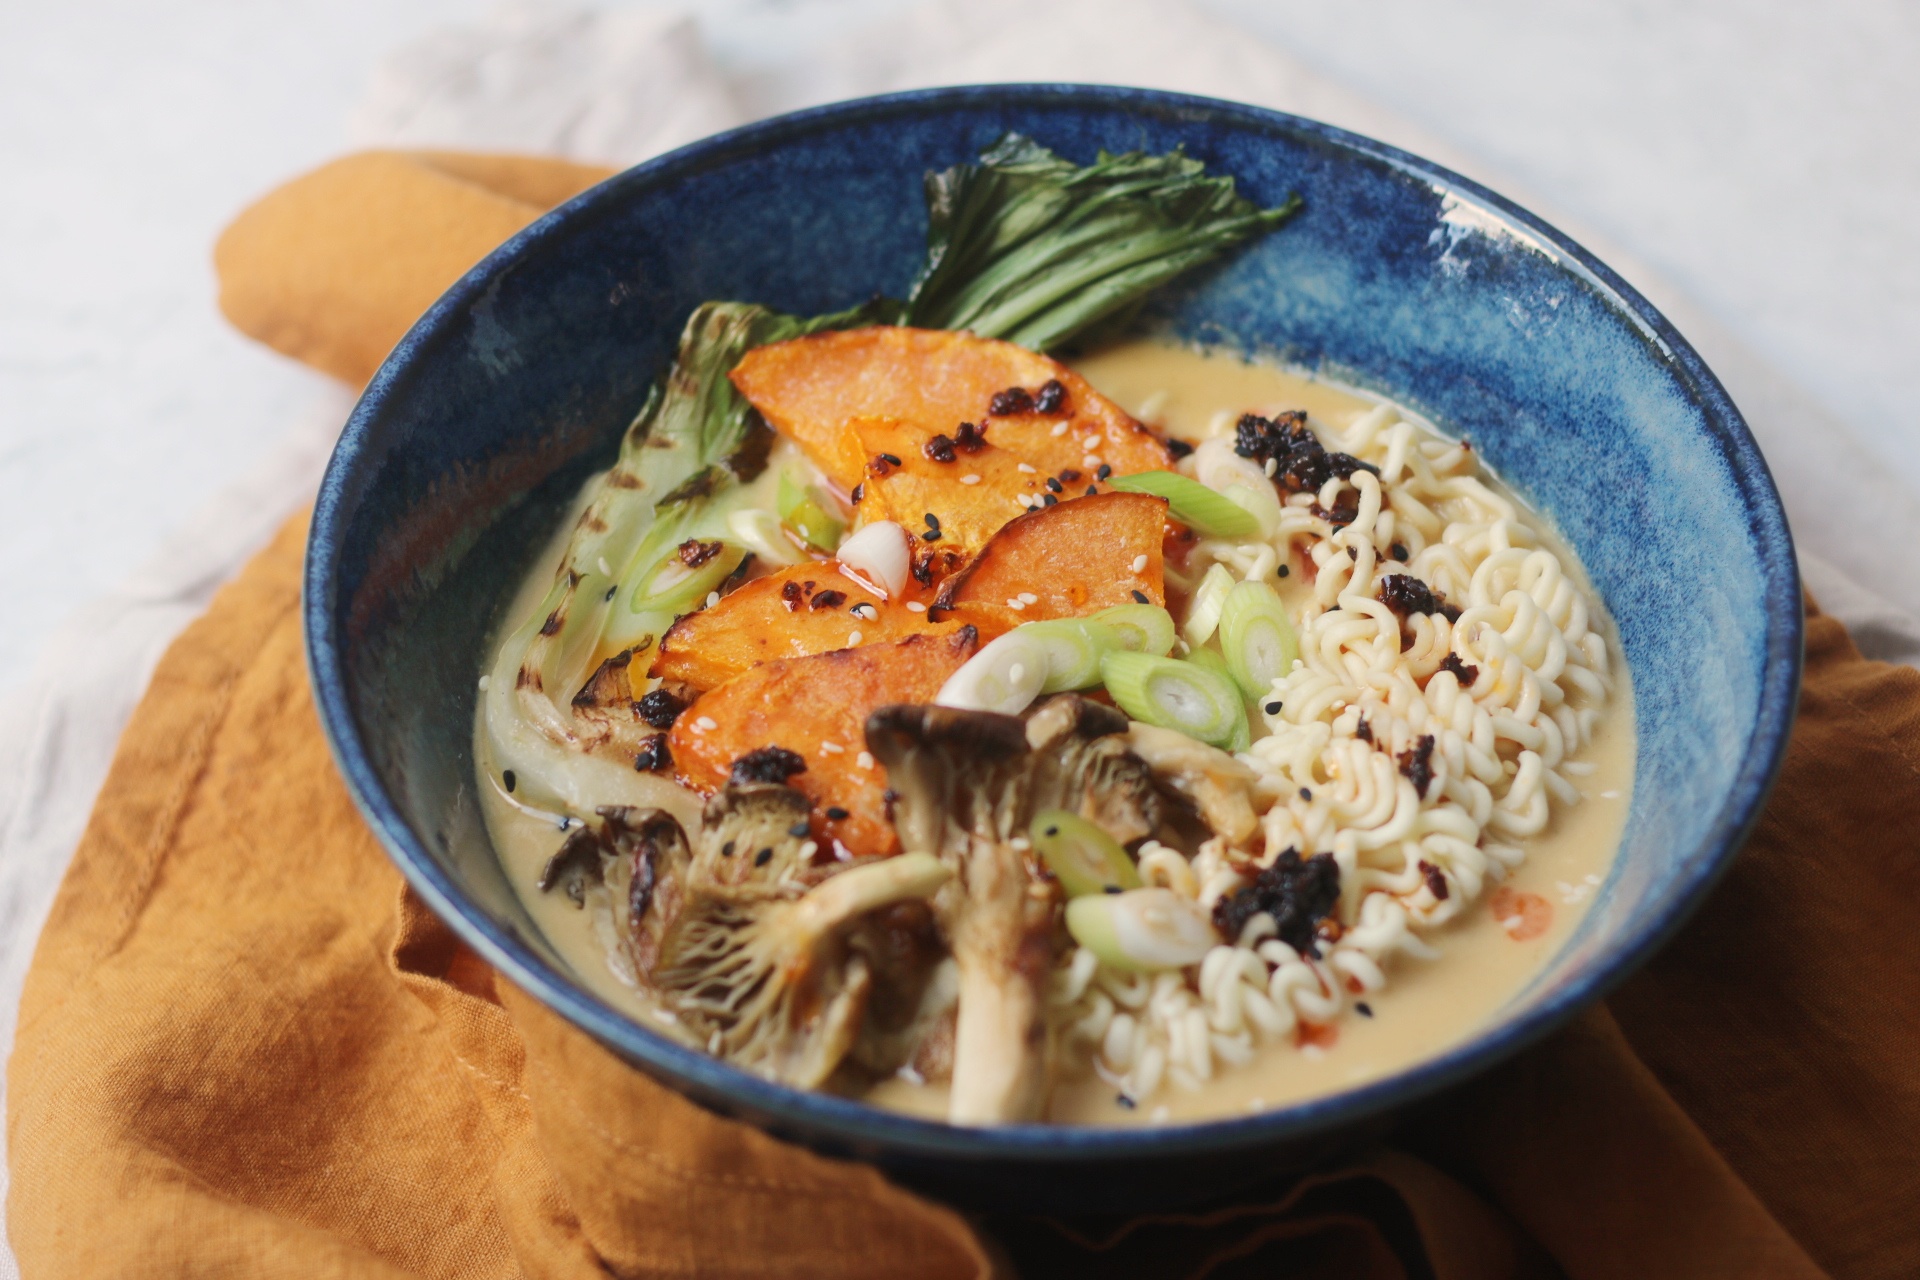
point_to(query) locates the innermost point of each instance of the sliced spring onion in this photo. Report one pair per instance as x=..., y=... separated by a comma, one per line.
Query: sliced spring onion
x=1142, y=930
x=803, y=510
x=1084, y=858
x=1203, y=614
x=1006, y=676
x=1259, y=501
x=1207, y=513
x=1212, y=661
x=1258, y=638
x=671, y=586
x=1074, y=647
x=1142, y=628
x=1177, y=695
x=761, y=532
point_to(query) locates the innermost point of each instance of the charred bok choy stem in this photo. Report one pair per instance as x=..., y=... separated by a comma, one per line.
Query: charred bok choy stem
x=689, y=443
x=1024, y=246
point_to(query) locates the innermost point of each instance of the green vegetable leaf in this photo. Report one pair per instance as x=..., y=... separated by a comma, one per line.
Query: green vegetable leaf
x=1032, y=248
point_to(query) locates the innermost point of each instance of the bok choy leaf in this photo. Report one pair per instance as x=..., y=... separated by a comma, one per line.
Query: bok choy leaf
x=1031, y=248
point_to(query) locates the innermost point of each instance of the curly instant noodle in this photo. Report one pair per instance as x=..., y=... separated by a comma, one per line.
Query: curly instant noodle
x=1426, y=730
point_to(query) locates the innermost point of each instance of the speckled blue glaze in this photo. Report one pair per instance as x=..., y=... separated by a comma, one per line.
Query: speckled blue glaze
x=1398, y=276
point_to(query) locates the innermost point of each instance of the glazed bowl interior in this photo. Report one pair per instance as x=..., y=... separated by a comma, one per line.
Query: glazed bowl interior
x=1398, y=277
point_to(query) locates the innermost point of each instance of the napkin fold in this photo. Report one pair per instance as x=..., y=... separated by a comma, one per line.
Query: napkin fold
x=246, y=1050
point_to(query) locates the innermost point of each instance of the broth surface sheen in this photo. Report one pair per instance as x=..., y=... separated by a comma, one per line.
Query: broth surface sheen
x=1426, y=1007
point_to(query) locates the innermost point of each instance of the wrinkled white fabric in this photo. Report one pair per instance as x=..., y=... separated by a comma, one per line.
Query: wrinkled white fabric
x=623, y=86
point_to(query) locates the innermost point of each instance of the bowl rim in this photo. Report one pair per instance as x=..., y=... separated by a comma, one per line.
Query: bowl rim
x=858, y=1126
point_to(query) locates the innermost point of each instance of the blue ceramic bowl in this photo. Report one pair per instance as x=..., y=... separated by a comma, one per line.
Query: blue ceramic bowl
x=1398, y=276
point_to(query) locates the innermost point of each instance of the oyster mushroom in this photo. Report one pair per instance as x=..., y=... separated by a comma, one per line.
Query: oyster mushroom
x=1083, y=764
x=963, y=779
x=641, y=858
x=758, y=963
x=1209, y=779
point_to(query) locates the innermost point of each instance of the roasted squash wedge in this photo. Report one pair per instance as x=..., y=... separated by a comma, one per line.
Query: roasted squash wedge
x=817, y=707
x=1064, y=561
x=924, y=383
x=797, y=611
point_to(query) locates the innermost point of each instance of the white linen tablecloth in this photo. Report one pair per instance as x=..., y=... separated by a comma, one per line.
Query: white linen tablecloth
x=622, y=85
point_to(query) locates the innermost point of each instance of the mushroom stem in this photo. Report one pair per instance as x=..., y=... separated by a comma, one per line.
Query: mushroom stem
x=1001, y=948
x=862, y=889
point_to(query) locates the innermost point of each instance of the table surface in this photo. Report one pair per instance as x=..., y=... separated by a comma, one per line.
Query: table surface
x=1761, y=154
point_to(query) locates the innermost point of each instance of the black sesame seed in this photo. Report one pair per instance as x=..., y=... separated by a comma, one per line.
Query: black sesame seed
x=1284, y=571
x=1053, y=484
x=610, y=592
x=859, y=492
x=1110, y=888
x=836, y=814
x=1053, y=831
x=799, y=829
x=1048, y=499
x=933, y=521
x=1272, y=708
x=1397, y=551
x=931, y=535
x=1306, y=794
x=889, y=459
x=1365, y=1010
x=726, y=850
x=1125, y=1101
x=510, y=781
x=1141, y=596
x=1093, y=490
x=763, y=857
x=1105, y=472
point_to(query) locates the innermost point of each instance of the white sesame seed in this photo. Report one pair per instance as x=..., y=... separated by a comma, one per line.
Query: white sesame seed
x=1016, y=603
x=484, y=682
x=706, y=724
x=853, y=638
x=805, y=533
x=864, y=760
x=1273, y=465
x=831, y=748
x=1029, y=598
x=1159, y=1115
x=1060, y=428
x=1091, y=443
x=605, y=567
x=1091, y=462
x=1021, y=843
x=914, y=606
x=1017, y=672
x=1029, y=468
x=713, y=598
x=969, y=478
x=807, y=849
x=1140, y=564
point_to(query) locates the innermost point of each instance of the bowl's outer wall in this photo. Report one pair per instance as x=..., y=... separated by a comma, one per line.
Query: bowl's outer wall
x=1396, y=276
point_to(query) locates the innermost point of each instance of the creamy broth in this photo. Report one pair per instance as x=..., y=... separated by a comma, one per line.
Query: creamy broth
x=1426, y=1005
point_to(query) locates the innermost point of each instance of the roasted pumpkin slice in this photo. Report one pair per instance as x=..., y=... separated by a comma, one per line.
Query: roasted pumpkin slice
x=1064, y=561
x=817, y=708
x=797, y=611
x=927, y=382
